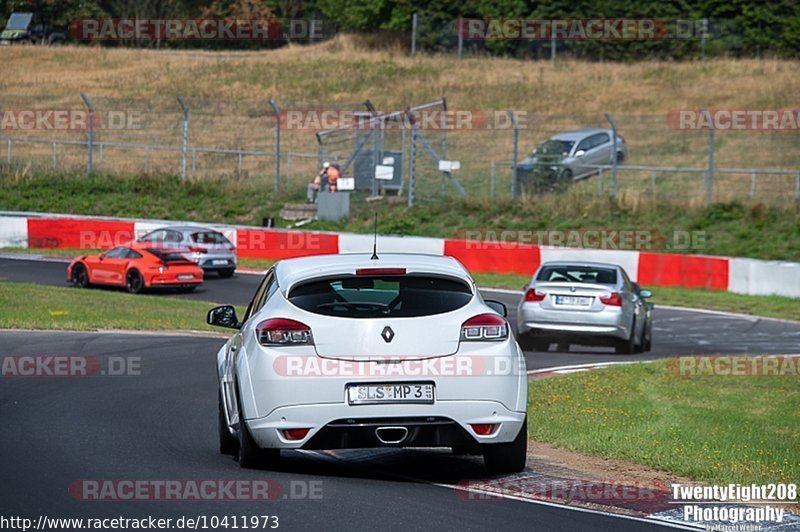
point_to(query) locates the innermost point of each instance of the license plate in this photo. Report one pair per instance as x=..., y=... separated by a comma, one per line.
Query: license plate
x=219, y=262
x=185, y=277
x=400, y=392
x=578, y=301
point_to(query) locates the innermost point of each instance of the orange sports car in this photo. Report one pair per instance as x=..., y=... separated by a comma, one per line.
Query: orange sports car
x=136, y=266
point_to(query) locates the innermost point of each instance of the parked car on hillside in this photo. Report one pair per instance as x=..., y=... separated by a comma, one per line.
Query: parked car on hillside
x=571, y=155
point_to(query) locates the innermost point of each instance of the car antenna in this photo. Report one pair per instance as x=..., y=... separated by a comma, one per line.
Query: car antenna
x=375, y=239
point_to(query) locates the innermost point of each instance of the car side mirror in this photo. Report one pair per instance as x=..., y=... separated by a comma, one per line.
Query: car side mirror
x=645, y=294
x=497, y=307
x=223, y=316
x=580, y=153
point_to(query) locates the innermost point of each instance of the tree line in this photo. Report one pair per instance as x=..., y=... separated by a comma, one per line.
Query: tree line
x=736, y=28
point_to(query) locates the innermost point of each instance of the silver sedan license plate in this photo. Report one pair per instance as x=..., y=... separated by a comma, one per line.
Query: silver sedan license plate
x=398, y=392
x=574, y=301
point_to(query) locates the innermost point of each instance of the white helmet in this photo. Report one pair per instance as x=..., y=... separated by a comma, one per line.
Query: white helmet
x=326, y=164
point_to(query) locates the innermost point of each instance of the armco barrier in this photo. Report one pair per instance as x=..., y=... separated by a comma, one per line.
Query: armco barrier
x=740, y=275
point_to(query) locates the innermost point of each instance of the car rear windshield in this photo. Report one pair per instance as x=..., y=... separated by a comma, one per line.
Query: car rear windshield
x=577, y=274
x=408, y=296
x=210, y=237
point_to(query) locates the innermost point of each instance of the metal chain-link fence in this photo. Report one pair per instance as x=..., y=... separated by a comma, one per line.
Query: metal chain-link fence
x=427, y=150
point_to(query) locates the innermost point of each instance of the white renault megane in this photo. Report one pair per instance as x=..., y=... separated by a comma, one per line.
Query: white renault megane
x=346, y=351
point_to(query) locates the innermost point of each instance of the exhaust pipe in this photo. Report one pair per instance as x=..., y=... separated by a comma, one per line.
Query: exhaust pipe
x=391, y=435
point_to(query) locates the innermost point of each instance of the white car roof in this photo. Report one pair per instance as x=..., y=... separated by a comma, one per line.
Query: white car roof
x=291, y=271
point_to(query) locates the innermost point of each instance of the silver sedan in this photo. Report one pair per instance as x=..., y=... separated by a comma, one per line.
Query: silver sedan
x=584, y=303
x=208, y=248
x=574, y=154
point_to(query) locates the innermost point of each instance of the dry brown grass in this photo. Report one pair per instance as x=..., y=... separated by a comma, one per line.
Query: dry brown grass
x=228, y=93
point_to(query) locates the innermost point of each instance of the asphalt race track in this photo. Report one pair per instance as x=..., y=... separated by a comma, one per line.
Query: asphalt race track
x=675, y=332
x=161, y=425
x=158, y=422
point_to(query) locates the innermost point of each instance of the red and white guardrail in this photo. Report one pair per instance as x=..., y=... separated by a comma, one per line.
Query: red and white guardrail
x=740, y=275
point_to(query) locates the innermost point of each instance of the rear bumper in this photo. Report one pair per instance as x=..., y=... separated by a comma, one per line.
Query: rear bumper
x=488, y=386
x=207, y=261
x=172, y=281
x=341, y=426
x=608, y=323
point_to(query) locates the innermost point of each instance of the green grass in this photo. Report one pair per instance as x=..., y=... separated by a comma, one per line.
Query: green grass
x=30, y=306
x=731, y=229
x=715, y=429
x=770, y=306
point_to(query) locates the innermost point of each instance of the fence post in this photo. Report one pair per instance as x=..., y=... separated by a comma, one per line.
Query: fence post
x=459, y=23
x=147, y=159
x=600, y=183
x=653, y=183
x=752, y=184
x=412, y=159
x=185, y=109
x=703, y=35
x=710, y=175
x=90, y=139
x=413, y=34
x=797, y=187
x=9, y=151
x=444, y=129
x=375, y=160
x=277, y=111
x=552, y=48
x=614, y=154
x=514, y=160
x=491, y=182
x=54, y=156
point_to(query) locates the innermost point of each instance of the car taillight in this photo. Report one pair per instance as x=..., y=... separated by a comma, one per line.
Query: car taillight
x=483, y=429
x=295, y=434
x=613, y=299
x=534, y=295
x=197, y=249
x=484, y=327
x=283, y=331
